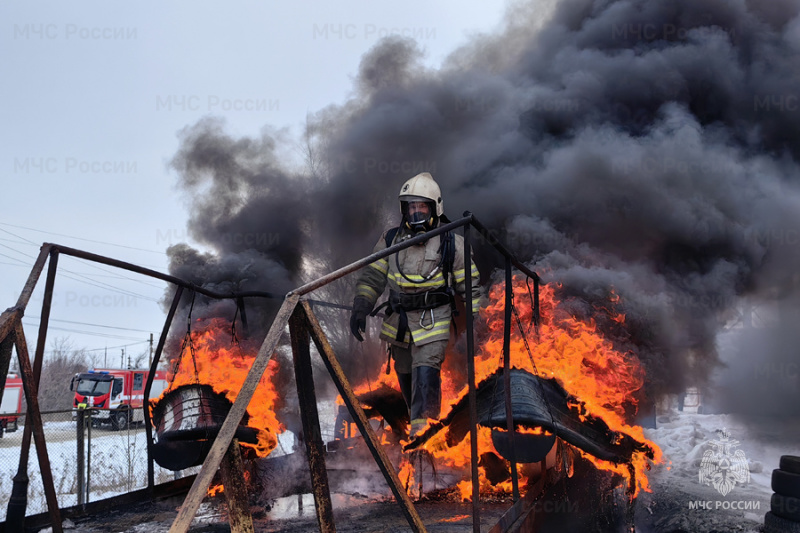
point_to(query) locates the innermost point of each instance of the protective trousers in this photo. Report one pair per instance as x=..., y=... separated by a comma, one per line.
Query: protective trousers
x=419, y=376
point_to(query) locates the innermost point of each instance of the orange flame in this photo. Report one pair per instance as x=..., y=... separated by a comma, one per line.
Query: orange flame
x=224, y=366
x=389, y=379
x=567, y=349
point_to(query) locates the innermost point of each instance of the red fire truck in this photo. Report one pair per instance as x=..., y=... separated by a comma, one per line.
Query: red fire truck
x=116, y=395
x=11, y=405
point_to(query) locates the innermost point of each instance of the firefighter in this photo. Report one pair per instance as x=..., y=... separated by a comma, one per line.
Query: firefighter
x=423, y=281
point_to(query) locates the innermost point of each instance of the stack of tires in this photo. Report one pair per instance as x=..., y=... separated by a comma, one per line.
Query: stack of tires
x=784, y=515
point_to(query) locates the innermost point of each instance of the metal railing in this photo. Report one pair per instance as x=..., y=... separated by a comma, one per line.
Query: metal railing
x=295, y=312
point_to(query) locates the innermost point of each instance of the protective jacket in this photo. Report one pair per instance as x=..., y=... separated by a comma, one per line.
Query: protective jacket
x=416, y=282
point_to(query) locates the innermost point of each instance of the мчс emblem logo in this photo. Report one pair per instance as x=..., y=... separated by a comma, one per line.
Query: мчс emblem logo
x=722, y=468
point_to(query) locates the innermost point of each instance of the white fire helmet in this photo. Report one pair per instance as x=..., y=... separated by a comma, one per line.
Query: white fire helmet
x=421, y=188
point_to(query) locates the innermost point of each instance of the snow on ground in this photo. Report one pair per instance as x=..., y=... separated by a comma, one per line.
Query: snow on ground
x=117, y=462
x=679, y=502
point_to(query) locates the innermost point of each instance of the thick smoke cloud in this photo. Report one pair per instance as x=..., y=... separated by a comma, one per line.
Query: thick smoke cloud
x=645, y=147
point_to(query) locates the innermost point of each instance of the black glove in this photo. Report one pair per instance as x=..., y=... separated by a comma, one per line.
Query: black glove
x=358, y=320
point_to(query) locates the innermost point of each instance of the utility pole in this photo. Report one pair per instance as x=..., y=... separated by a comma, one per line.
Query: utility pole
x=122, y=358
x=150, y=361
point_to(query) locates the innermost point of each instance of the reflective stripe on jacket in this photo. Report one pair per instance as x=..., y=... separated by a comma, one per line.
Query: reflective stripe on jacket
x=416, y=264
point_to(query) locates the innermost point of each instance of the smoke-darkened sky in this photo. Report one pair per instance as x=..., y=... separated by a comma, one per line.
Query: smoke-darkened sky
x=645, y=147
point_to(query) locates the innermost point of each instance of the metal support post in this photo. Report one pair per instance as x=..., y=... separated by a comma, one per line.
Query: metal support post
x=507, y=380
x=18, y=502
x=232, y=472
x=226, y=432
x=473, y=402
x=81, y=454
x=148, y=424
x=34, y=419
x=360, y=418
x=315, y=449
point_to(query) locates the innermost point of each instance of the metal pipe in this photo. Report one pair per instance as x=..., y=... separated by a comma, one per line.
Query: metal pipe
x=6, y=347
x=18, y=502
x=11, y=315
x=90, y=412
x=36, y=271
x=80, y=435
x=360, y=419
x=473, y=400
x=155, y=274
x=500, y=247
x=307, y=397
x=226, y=432
x=507, y=380
x=148, y=424
x=34, y=418
x=352, y=267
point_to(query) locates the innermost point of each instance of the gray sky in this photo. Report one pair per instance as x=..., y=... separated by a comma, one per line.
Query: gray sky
x=94, y=94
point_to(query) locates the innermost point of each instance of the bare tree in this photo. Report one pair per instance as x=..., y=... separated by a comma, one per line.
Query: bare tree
x=61, y=363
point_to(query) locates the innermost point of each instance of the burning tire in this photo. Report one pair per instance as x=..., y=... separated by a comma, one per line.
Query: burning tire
x=785, y=507
x=186, y=422
x=120, y=420
x=786, y=483
x=776, y=524
x=790, y=463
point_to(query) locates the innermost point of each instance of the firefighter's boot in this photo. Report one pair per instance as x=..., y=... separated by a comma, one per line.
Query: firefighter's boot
x=426, y=397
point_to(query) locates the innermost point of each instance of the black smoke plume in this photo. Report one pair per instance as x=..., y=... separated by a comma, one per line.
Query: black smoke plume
x=644, y=147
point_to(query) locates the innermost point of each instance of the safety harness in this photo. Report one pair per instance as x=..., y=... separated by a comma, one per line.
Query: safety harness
x=401, y=303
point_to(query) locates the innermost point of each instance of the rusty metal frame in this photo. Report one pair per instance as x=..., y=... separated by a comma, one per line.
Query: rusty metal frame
x=309, y=416
x=12, y=334
x=303, y=324
x=473, y=397
x=149, y=385
x=287, y=311
x=360, y=418
x=11, y=328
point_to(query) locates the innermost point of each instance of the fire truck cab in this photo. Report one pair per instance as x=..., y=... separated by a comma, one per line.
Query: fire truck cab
x=11, y=405
x=116, y=395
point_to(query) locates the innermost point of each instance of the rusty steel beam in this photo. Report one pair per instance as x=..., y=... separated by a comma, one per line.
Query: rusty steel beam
x=315, y=449
x=36, y=271
x=18, y=503
x=500, y=247
x=354, y=407
x=232, y=472
x=34, y=418
x=148, y=423
x=231, y=424
x=473, y=402
x=10, y=316
x=6, y=347
x=512, y=458
x=8, y=321
x=156, y=274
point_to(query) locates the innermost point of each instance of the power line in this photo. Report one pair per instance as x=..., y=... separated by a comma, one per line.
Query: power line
x=89, y=324
x=90, y=281
x=115, y=347
x=80, y=238
x=90, y=333
x=87, y=263
x=22, y=263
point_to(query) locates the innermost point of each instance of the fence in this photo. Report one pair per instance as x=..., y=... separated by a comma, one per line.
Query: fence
x=105, y=462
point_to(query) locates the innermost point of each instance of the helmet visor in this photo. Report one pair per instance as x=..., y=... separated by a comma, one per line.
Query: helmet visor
x=417, y=211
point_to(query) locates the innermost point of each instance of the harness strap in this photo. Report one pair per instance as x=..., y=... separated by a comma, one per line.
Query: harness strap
x=400, y=303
